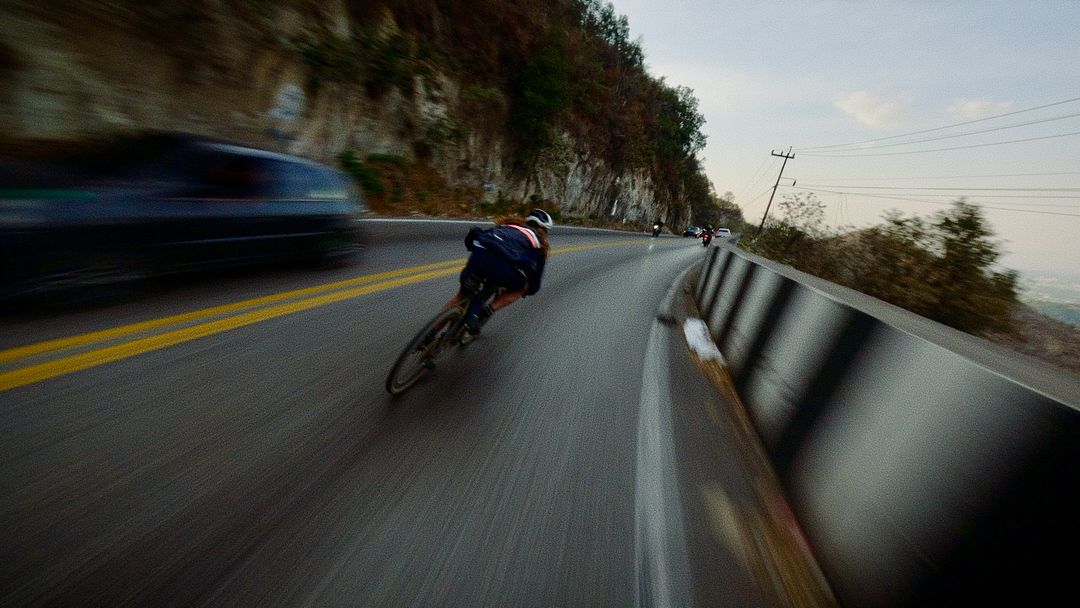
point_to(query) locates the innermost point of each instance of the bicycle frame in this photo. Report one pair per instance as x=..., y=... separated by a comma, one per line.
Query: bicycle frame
x=446, y=328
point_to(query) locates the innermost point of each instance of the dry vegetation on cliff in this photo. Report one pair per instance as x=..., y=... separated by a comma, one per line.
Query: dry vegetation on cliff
x=546, y=99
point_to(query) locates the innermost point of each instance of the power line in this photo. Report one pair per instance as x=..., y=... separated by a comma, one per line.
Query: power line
x=754, y=176
x=913, y=200
x=954, y=136
x=760, y=194
x=980, y=196
x=950, y=188
x=746, y=206
x=952, y=126
x=758, y=175
x=996, y=143
x=954, y=196
x=952, y=176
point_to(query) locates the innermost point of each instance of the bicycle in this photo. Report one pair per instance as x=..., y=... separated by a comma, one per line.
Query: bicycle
x=444, y=331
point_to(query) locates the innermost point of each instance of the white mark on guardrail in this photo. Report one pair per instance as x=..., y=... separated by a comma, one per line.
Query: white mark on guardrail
x=699, y=340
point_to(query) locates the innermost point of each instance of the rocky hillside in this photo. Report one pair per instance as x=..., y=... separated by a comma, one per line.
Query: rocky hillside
x=462, y=91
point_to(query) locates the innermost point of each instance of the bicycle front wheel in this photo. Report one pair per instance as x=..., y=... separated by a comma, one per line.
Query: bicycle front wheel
x=419, y=355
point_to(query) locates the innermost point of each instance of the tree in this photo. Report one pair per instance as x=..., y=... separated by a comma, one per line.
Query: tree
x=971, y=295
x=541, y=95
x=791, y=235
x=941, y=268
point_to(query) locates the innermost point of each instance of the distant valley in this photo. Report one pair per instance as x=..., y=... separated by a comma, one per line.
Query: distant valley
x=1062, y=311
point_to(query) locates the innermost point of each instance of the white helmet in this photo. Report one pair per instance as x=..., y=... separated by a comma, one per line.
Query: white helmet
x=539, y=218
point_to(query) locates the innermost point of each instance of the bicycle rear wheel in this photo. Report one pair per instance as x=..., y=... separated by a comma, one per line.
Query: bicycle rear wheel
x=419, y=355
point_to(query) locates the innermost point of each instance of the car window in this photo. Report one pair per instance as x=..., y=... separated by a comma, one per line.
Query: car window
x=300, y=181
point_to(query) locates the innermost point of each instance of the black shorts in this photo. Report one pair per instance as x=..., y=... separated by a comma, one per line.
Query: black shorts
x=494, y=268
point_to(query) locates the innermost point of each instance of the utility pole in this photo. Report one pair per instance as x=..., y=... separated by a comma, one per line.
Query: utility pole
x=785, y=157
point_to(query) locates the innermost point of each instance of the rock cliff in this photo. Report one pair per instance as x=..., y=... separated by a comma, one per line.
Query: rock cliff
x=247, y=71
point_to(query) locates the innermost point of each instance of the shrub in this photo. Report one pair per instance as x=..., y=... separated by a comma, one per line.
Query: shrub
x=541, y=95
x=331, y=59
x=940, y=268
x=369, y=178
x=794, y=237
x=439, y=130
x=391, y=159
x=391, y=64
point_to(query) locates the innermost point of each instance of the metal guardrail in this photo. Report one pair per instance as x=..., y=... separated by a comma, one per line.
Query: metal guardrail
x=926, y=466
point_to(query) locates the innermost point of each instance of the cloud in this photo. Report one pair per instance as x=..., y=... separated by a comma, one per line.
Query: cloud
x=872, y=111
x=974, y=109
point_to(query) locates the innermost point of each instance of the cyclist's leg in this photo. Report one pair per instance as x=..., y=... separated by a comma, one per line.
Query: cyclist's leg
x=507, y=298
x=500, y=274
x=475, y=266
x=455, y=301
x=501, y=300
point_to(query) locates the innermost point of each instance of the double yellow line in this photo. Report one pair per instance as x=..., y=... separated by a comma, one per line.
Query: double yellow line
x=222, y=318
x=37, y=362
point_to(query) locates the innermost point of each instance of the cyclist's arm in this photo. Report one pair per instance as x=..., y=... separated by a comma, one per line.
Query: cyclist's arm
x=534, y=281
x=469, y=238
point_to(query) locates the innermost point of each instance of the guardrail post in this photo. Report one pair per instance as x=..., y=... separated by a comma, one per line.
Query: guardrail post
x=715, y=284
x=776, y=309
x=744, y=286
x=703, y=279
x=842, y=353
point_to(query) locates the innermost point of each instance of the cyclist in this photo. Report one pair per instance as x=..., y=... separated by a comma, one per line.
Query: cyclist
x=706, y=235
x=511, y=255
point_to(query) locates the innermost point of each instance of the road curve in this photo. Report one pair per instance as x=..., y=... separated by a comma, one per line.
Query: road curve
x=226, y=440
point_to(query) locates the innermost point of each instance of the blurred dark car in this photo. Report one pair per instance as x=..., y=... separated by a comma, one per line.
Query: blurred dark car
x=165, y=203
x=693, y=231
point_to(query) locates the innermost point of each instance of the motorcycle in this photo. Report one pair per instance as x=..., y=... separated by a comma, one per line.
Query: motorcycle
x=656, y=230
x=706, y=238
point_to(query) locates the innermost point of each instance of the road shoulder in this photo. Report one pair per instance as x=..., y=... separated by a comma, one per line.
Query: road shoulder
x=744, y=545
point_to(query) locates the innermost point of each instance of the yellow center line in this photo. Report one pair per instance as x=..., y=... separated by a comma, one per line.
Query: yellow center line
x=66, y=365
x=117, y=332
x=58, y=344
x=571, y=248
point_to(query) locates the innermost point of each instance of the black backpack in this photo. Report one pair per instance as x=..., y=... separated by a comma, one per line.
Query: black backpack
x=508, y=242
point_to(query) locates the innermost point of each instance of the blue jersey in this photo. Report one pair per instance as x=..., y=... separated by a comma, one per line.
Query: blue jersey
x=517, y=245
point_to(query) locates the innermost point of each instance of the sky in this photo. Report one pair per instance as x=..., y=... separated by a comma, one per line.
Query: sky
x=869, y=94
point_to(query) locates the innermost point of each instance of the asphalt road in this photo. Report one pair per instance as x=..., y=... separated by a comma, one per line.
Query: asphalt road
x=226, y=440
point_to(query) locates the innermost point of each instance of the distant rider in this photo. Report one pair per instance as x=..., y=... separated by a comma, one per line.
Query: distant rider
x=511, y=255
